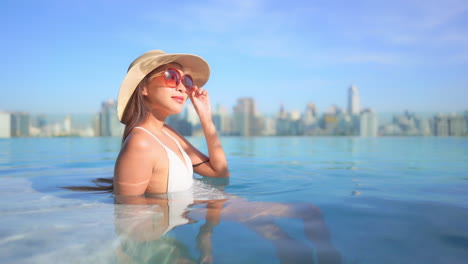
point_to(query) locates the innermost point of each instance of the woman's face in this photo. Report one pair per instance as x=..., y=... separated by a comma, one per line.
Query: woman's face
x=165, y=100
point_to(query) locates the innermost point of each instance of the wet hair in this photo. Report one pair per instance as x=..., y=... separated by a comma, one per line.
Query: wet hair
x=102, y=185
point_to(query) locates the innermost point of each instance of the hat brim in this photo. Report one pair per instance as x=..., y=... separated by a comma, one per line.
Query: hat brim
x=193, y=65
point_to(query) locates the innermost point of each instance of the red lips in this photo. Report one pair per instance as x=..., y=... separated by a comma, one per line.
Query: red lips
x=179, y=99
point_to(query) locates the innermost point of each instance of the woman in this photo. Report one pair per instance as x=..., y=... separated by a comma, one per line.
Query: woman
x=154, y=158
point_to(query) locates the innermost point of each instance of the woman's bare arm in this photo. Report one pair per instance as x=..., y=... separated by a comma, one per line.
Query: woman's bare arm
x=215, y=165
x=134, y=166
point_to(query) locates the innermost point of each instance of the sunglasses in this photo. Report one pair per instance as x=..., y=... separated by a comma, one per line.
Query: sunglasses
x=173, y=78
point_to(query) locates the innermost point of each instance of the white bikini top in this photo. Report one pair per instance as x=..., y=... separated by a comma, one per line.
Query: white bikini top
x=180, y=174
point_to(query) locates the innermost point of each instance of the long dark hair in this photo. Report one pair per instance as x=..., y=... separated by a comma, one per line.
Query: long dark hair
x=135, y=112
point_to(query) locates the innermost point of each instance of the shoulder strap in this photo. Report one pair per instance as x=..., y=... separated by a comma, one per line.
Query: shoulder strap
x=188, y=161
x=151, y=134
x=175, y=140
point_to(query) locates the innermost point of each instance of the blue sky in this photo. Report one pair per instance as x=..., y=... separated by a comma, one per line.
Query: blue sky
x=69, y=56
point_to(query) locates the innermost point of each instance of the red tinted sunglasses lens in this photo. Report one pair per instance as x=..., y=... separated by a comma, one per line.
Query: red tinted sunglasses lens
x=188, y=82
x=172, y=78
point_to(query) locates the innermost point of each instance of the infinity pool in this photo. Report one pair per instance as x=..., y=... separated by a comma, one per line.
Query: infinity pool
x=289, y=200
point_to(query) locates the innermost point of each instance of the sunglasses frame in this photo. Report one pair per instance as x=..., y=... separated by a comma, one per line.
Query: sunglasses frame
x=179, y=78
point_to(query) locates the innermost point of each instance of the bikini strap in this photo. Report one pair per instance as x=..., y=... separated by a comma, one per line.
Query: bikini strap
x=151, y=134
x=177, y=142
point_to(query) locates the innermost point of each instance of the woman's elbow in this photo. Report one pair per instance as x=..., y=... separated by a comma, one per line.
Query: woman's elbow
x=223, y=173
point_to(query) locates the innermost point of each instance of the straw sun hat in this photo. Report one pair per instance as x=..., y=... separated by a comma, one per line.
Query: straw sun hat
x=193, y=65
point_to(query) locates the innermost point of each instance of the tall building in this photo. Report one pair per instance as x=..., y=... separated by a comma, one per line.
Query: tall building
x=368, y=123
x=441, y=126
x=282, y=123
x=345, y=126
x=423, y=126
x=311, y=120
x=182, y=125
x=269, y=126
x=457, y=126
x=67, y=125
x=20, y=124
x=5, y=125
x=329, y=123
x=222, y=120
x=109, y=124
x=97, y=125
x=246, y=122
x=191, y=114
x=310, y=115
x=354, y=106
x=296, y=125
x=289, y=123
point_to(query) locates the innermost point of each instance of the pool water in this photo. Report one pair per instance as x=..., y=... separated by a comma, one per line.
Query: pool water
x=288, y=200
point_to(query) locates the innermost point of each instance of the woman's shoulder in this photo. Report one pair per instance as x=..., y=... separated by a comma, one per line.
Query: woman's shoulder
x=141, y=140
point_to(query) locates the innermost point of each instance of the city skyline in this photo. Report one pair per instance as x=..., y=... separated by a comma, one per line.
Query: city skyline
x=402, y=55
x=245, y=120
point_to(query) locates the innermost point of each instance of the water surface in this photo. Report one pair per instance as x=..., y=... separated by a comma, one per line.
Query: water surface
x=366, y=200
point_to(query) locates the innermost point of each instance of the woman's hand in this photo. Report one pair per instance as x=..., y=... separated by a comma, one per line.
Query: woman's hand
x=201, y=101
x=217, y=164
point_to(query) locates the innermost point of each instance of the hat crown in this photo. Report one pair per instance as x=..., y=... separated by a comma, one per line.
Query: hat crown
x=147, y=55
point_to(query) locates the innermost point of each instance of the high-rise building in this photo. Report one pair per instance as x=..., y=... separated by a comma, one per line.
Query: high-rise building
x=109, y=124
x=354, y=106
x=310, y=114
x=181, y=125
x=289, y=123
x=310, y=120
x=246, y=121
x=345, y=125
x=67, y=125
x=269, y=126
x=20, y=123
x=5, y=125
x=457, y=126
x=222, y=120
x=329, y=123
x=282, y=123
x=97, y=125
x=368, y=123
x=191, y=115
x=441, y=126
x=423, y=126
x=296, y=123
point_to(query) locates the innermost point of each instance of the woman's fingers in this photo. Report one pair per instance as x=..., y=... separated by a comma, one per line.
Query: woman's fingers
x=198, y=91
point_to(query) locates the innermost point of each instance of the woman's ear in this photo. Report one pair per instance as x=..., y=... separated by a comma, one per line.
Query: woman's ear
x=144, y=91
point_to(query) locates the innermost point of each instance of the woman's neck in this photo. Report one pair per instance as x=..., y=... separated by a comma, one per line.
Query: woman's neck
x=154, y=123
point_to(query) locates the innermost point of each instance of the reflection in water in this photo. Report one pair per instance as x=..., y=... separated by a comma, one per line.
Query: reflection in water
x=142, y=222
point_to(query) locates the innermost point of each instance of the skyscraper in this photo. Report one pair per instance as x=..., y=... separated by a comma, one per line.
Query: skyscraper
x=310, y=114
x=20, y=123
x=191, y=114
x=441, y=125
x=282, y=124
x=368, y=123
x=5, y=125
x=109, y=124
x=222, y=120
x=457, y=126
x=311, y=120
x=354, y=106
x=246, y=122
